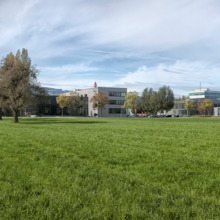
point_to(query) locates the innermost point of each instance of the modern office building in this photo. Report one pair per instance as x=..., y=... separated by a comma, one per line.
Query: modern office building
x=115, y=95
x=201, y=94
x=195, y=96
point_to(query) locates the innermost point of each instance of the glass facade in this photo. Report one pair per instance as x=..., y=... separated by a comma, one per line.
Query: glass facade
x=214, y=96
x=117, y=94
x=178, y=108
x=117, y=111
x=49, y=106
x=196, y=93
x=116, y=102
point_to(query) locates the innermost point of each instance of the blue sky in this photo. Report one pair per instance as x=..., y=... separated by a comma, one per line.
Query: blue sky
x=126, y=43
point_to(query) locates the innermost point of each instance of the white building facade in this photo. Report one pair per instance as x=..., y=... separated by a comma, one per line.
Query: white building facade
x=113, y=109
x=217, y=111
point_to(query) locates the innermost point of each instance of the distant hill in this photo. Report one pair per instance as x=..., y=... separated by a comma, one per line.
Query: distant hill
x=53, y=91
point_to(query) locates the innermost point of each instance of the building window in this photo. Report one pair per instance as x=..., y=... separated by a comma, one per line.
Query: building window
x=117, y=111
x=118, y=94
x=116, y=102
x=197, y=93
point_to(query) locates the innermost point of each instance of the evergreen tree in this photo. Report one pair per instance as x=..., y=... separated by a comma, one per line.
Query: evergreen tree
x=165, y=98
x=154, y=103
x=146, y=100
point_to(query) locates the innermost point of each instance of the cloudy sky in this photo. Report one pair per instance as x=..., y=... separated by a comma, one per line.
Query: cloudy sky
x=117, y=43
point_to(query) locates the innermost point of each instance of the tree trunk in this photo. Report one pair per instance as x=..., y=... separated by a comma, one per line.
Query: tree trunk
x=15, y=116
x=62, y=112
x=189, y=112
x=0, y=114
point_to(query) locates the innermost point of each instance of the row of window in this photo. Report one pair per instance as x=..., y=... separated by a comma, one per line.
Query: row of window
x=117, y=111
x=116, y=102
x=205, y=93
x=197, y=93
x=213, y=98
x=213, y=93
x=118, y=94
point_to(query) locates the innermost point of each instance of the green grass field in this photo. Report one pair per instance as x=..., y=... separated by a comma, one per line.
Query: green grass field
x=83, y=168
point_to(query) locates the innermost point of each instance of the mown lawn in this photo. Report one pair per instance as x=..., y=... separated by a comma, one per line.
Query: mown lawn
x=83, y=168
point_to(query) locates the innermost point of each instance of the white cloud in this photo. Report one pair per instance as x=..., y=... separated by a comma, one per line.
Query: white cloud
x=67, y=69
x=186, y=31
x=181, y=76
x=153, y=25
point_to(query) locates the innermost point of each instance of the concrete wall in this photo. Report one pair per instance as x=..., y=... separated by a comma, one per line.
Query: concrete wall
x=106, y=90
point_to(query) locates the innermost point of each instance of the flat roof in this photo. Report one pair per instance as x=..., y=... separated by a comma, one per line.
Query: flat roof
x=203, y=90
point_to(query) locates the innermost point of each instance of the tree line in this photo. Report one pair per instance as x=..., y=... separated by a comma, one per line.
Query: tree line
x=18, y=83
x=203, y=106
x=151, y=101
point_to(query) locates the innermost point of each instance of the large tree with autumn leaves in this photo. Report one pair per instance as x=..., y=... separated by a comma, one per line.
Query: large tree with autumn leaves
x=62, y=101
x=18, y=82
x=131, y=101
x=189, y=104
x=99, y=100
